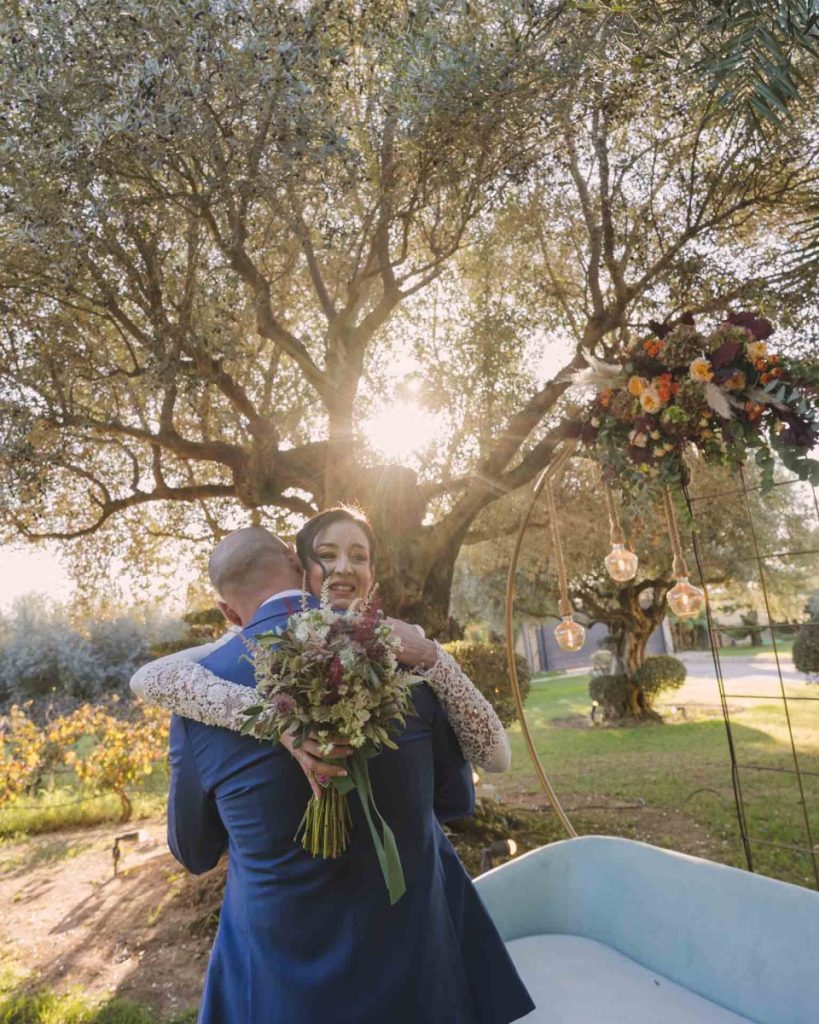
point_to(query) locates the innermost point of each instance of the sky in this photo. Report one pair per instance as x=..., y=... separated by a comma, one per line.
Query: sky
x=25, y=570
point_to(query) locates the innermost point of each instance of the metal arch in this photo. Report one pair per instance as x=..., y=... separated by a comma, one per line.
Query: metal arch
x=557, y=463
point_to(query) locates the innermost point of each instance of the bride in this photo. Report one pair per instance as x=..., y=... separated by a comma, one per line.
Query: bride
x=337, y=547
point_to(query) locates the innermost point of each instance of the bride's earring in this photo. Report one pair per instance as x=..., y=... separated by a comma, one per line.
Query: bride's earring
x=304, y=591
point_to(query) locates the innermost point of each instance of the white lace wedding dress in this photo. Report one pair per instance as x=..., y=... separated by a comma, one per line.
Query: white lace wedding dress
x=179, y=684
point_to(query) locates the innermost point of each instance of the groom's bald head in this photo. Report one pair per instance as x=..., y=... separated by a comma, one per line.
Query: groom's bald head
x=252, y=564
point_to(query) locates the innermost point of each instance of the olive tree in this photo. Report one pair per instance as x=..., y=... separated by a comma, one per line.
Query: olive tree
x=221, y=220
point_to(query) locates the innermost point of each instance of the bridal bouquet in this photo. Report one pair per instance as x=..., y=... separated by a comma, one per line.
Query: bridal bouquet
x=335, y=674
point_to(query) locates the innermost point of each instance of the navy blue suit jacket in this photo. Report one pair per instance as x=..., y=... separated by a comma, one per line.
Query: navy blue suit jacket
x=299, y=935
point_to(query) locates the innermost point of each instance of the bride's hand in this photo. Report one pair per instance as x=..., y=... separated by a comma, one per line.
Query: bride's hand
x=310, y=758
x=416, y=650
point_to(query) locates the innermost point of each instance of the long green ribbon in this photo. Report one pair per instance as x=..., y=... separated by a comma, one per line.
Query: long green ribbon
x=387, y=849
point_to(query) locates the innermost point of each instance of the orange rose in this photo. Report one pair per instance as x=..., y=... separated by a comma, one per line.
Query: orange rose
x=756, y=350
x=650, y=400
x=637, y=385
x=700, y=370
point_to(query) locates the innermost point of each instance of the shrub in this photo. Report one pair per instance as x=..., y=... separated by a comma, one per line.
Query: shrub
x=611, y=693
x=108, y=754
x=485, y=664
x=601, y=662
x=659, y=672
x=806, y=650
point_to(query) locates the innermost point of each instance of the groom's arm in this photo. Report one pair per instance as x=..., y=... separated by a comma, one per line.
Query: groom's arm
x=196, y=835
x=454, y=789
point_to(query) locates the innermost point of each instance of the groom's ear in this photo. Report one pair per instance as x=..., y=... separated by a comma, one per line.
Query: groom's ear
x=229, y=613
x=294, y=558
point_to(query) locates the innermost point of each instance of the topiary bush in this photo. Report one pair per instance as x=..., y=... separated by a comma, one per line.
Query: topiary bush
x=611, y=693
x=806, y=650
x=659, y=672
x=485, y=664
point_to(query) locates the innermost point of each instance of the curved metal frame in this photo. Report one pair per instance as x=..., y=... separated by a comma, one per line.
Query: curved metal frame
x=556, y=464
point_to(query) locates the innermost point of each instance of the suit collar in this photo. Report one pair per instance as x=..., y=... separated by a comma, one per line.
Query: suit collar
x=281, y=607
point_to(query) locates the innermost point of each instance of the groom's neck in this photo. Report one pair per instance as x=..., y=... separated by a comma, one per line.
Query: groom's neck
x=251, y=604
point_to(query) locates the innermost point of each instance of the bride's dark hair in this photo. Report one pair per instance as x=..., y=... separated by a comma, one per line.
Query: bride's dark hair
x=306, y=537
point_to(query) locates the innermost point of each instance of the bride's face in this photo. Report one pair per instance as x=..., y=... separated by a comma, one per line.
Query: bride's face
x=345, y=561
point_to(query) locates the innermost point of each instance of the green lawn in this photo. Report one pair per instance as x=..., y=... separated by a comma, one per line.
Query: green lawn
x=69, y=805
x=784, y=645
x=18, y=1006
x=681, y=767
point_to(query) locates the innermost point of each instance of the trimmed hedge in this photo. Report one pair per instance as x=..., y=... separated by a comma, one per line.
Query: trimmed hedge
x=806, y=650
x=660, y=672
x=485, y=664
x=611, y=693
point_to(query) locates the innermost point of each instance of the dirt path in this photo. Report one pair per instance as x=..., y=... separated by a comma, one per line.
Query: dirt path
x=67, y=922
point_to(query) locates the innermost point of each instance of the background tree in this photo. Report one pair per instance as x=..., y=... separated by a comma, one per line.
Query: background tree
x=43, y=654
x=219, y=229
x=784, y=521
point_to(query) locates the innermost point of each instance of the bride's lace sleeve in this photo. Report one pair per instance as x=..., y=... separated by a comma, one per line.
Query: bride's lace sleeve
x=482, y=738
x=179, y=684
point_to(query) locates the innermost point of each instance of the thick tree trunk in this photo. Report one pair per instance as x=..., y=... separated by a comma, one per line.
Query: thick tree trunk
x=413, y=572
x=630, y=625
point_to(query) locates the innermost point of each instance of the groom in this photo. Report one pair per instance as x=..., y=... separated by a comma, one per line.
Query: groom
x=300, y=937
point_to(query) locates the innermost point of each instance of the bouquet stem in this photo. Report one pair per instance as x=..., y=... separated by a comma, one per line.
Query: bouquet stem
x=325, y=827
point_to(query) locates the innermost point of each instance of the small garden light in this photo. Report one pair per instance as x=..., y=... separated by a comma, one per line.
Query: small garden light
x=500, y=848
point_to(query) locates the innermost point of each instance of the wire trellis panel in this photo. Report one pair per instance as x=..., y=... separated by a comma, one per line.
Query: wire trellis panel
x=800, y=844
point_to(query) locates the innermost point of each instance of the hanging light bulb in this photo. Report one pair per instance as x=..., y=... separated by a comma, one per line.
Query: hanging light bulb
x=570, y=635
x=685, y=600
x=621, y=563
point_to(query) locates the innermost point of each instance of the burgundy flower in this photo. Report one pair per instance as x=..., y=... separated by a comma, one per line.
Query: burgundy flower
x=362, y=632
x=725, y=354
x=588, y=434
x=757, y=325
x=687, y=319
x=640, y=455
x=661, y=330
x=283, y=704
x=798, y=432
x=335, y=673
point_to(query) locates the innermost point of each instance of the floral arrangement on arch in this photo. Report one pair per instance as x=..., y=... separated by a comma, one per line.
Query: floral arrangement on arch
x=722, y=391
